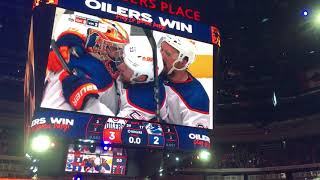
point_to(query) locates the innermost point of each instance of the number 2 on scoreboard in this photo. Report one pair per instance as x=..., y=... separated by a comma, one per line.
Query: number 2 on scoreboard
x=156, y=140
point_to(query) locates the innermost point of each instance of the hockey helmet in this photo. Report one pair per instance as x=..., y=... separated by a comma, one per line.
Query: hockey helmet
x=107, y=41
x=186, y=49
x=140, y=62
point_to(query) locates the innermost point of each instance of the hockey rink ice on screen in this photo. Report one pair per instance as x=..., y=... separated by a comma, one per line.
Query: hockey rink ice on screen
x=107, y=68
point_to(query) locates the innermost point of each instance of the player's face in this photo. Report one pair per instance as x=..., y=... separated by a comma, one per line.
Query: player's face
x=114, y=52
x=169, y=55
x=107, y=51
x=125, y=72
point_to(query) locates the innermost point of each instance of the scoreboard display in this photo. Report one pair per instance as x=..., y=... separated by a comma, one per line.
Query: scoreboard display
x=121, y=132
x=74, y=90
x=171, y=137
x=135, y=133
x=81, y=159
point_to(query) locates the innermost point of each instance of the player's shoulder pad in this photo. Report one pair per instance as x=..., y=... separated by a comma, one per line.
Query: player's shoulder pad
x=192, y=94
x=70, y=39
x=141, y=96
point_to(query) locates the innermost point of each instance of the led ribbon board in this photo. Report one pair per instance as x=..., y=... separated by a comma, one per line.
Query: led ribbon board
x=115, y=132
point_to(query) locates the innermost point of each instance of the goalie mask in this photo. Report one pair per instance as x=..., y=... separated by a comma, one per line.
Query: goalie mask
x=185, y=50
x=137, y=66
x=107, y=41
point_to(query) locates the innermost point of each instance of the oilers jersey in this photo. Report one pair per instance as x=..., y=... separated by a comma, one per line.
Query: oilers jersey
x=187, y=103
x=53, y=94
x=106, y=104
x=74, y=35
x=137, y=101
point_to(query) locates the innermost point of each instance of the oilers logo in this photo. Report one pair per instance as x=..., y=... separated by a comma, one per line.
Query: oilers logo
x=115, y=123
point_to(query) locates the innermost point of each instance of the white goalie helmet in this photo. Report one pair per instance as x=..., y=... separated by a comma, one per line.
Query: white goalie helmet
x=140, y=61
x=186, y=48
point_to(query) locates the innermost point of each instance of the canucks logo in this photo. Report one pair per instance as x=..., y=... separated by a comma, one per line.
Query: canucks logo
x=154, y=129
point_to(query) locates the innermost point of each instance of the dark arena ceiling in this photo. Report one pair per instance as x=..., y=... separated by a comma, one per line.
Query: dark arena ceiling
x=269, y=66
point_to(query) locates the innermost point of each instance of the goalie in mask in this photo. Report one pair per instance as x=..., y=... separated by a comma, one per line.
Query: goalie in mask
x=91, y=54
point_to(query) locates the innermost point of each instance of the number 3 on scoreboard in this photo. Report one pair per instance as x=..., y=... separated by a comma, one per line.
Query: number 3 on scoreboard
x=112, y=135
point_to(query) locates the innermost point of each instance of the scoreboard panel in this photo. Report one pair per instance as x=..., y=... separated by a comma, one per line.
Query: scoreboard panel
x=122, y=132
x=81, y=159
x=136, y=133
x=155, y=135
x=171, y=136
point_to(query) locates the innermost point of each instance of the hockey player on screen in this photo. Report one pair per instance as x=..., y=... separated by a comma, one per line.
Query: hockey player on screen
x=91, y=52
x=187, y=100
x=135, y=85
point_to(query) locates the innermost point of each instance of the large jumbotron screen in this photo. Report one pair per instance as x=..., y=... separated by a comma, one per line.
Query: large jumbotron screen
x=119, y=76
x=120, y=82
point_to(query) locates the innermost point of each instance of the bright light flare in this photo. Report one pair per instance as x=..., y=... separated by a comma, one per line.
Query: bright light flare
x=317, y=19
x=40, y=143
x=204, y=155
x=177, y=158
x=305, y=13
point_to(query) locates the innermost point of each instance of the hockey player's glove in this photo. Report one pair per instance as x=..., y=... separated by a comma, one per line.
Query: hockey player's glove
x=90, y=67
x=68, y=53
x=54, y=64
x=77, y=90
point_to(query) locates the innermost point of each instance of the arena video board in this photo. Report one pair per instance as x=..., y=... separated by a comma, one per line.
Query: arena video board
x=118, y=80
x=83, y=160
x=98, y=77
